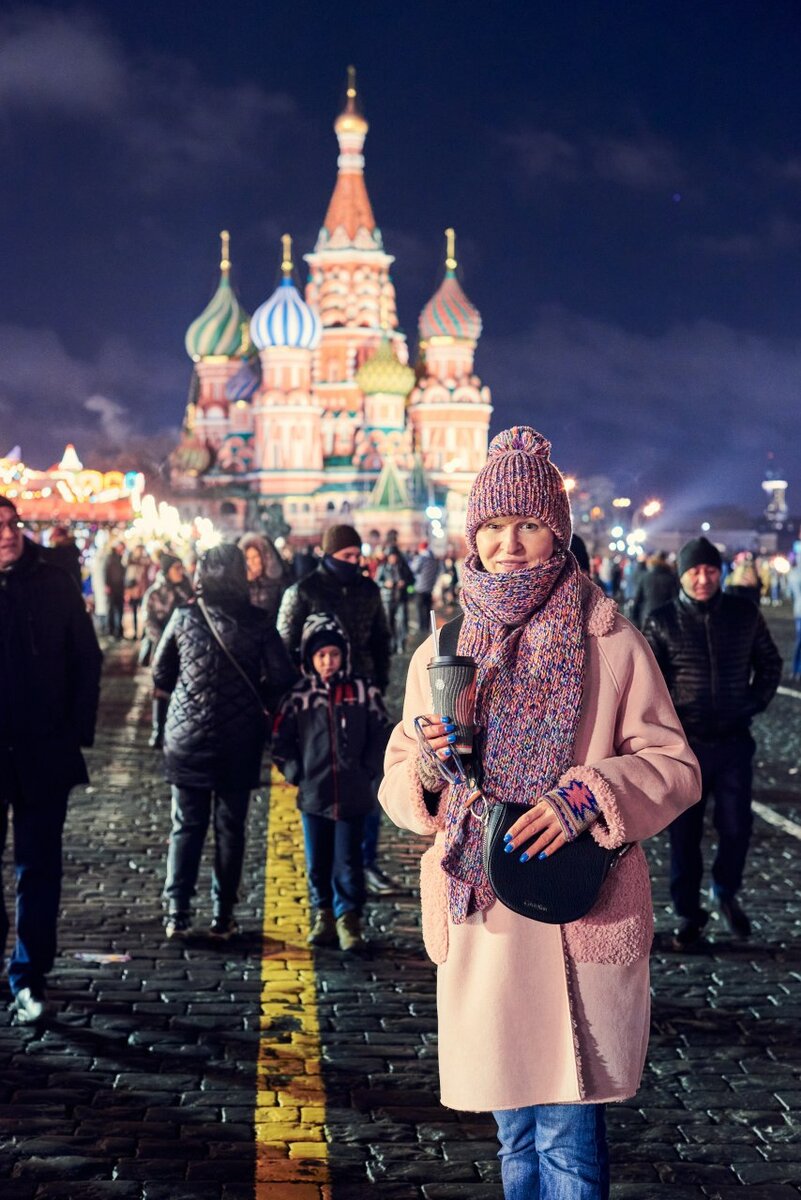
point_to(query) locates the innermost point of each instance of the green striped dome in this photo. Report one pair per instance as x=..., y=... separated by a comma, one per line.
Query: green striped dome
x=219, y=328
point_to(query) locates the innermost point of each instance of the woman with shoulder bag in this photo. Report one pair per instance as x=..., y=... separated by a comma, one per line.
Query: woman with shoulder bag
x=540, y=1023
x=224, y=665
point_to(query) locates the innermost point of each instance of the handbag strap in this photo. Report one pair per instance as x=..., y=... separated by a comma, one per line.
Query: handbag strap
x=201, y=603
x=449, y=635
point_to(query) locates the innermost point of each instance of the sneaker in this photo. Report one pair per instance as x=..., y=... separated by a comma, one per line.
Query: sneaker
x=349, y=933
x=378, y=883
x=324, y=930
x=734, y=917
x=223, y=927
x=178, y=925
x=690, y=931
x=29, y=1006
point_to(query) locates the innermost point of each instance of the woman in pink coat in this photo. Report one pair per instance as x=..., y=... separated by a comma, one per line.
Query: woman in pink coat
x=541, y=1024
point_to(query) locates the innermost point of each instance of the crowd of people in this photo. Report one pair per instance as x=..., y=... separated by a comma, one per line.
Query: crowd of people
x=259, y=655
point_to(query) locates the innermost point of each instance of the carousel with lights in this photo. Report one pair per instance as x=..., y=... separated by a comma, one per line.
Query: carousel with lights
x=310, y=406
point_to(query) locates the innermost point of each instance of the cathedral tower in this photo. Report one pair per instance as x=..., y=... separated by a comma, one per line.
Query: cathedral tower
x=450, y=408
x=288, y=454
x=350, y=286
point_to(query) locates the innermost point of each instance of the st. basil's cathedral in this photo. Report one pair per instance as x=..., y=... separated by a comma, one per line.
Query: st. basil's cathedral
x=309, y=410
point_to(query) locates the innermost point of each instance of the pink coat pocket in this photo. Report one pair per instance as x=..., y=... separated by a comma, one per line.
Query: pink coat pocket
x=619, y=929
x=434, y=902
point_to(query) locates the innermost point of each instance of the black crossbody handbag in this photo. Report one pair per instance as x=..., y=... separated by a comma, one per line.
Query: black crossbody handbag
x=555, y=890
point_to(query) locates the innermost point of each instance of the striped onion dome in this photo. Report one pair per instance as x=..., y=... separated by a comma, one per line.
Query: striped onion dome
x=244, y=383
x=384, y=372
x=449, y=313
x=286, y=320
x=218, y=331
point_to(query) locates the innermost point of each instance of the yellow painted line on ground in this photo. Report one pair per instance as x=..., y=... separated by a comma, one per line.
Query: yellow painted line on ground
x=291, y=1150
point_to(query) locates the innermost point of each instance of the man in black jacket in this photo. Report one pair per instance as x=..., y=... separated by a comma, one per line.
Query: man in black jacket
x=722, y=668
x=49, y=686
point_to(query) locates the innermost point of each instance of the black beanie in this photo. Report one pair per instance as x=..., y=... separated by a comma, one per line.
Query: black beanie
x=340, y=537
x=696, y=553
x=168, y=560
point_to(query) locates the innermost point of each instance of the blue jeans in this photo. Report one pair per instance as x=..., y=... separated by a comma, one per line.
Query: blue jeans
x=371, y=826
x=797, y=654
x=37, y=864
x=191, y=814
x=726, y=772
x=334, y=863
x=554, y=1152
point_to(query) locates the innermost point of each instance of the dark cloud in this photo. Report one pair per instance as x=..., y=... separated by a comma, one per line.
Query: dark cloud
x=640, y=162
x=696, y=407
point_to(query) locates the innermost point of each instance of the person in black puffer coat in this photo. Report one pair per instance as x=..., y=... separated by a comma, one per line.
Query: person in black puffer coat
x=722, y=668
x=338, y=587
x=216, y=729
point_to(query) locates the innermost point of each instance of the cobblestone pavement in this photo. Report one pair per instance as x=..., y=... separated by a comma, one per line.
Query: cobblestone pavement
x=193, y=1072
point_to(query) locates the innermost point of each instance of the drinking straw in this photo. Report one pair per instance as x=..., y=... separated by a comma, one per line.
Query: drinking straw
x=434, y=632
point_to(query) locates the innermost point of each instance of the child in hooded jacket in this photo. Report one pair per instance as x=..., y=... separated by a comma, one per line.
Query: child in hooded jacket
x=329, y=739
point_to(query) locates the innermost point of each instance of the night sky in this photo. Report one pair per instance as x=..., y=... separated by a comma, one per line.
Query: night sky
x=624, y=180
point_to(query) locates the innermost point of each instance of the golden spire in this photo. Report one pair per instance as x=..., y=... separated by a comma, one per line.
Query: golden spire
x=350, y=120
x=225, y=252
x=450, y=259
x=286, y=264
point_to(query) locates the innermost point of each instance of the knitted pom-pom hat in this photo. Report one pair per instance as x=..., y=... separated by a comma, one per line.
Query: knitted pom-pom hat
x=519, y=480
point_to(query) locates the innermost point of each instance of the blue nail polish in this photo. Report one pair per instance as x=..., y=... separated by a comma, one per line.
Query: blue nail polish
x=447, y=720
x=524, y=857
x=542, y=854
x=508, y=848
x=507, y=837
x=451, y=737
x=445, y=752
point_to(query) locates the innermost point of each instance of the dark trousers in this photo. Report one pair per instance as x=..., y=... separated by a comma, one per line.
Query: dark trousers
x=192, y=810
x=116, y=607
x=371, y=830
x=159, y=715
x=797, y=651
x=334, y=863
x=726, y=773
x=38, y=831
x=423, y=600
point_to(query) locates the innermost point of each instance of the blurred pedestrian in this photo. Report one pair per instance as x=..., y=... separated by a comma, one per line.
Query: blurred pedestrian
x=794, y=589
x=540, y=1023
x=722, y=668
x=448, y=582
x=329, y=740
x=656, y=586
x=169, y=589
x=394, y=577
x=267, y=578
x=137, y=570
x=743, y=579
x=114, y=578
x=224, y=667
x=49, y=686
x=425, y=569
x=63, y=552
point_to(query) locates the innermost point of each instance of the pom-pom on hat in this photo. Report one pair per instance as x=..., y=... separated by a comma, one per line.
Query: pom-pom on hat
x=519, y=480
x=340, y=537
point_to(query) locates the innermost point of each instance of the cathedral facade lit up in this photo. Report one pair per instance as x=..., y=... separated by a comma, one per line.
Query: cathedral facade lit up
x=311, y=403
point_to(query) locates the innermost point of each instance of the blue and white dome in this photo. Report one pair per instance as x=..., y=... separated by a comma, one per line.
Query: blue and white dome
x=286, y=320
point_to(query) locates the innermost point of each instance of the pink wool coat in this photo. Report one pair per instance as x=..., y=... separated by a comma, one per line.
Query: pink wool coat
x=543, y=1014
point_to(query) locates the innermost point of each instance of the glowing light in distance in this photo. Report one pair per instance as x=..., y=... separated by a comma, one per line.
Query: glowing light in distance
x=781, y=564
x=616, y=531
x=621, y=502
x=705, y=527
x=569, y=483
x=652, y=508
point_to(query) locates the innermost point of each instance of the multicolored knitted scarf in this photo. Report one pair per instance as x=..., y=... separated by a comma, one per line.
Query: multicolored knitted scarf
x=526, y=632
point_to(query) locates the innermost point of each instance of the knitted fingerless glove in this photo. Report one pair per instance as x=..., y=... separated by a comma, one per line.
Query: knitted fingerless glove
x=428, y=774
x=575, y=806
